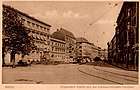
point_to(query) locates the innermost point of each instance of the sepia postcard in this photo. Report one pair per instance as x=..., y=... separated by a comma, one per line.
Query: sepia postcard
x=74, y=44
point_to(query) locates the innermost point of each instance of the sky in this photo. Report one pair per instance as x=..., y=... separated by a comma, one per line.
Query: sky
x=93, y=20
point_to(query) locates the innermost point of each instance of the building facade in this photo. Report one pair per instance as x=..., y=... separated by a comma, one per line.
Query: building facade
x=58, y=50
x=70, y=45
x=85, y=51
x=112, y=50
x=127, y=36
x=103, y=53
x=94, y=50
x=40, y=32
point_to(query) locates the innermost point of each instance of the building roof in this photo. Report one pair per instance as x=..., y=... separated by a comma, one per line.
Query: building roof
x=60, y=34
x=92, y=44
x=25, y=14
x=82, y=40
x=57, y=40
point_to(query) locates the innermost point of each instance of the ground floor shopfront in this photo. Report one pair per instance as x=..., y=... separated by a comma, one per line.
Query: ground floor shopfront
x=127, y=58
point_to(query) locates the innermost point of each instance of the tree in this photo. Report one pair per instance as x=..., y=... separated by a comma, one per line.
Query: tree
x=17, y=40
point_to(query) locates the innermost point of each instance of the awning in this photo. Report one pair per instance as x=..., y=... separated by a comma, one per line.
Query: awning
x=37, y=37
x=42, y=38
x=33, y=36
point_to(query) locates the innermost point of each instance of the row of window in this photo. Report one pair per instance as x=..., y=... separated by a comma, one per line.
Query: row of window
x=40, y=45
x=61, y=56
x=69, y=39
x=33, y=51
x=38, y=33
x=33, y=25
x=38, y=37
x=58, y=49
x=58, y=44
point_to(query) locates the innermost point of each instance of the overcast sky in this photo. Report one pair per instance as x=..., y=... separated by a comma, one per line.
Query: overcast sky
x=81, y=18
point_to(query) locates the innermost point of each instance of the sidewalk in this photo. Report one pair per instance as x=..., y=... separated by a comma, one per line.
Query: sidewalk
x=123, y=66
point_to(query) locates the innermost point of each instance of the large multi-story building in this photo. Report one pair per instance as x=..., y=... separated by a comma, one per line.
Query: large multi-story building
x=40, y=32
x=94, y=50
x=102, y=53
x=113, y=41
x=112, y=50
x=70, y=40
x=127, y=35
x=58, y=50
x=85, y=51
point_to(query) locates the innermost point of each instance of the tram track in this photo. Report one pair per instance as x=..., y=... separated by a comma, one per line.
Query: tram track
x=115, y=73
x=120, y=76
x=108, y=76
x=112, y=72
x=99, y=77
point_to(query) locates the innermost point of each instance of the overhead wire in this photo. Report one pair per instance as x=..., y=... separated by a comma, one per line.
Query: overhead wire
x=102, y=15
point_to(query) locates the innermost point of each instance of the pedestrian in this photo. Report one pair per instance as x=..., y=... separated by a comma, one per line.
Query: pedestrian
x=29, y=62
x=13, y=64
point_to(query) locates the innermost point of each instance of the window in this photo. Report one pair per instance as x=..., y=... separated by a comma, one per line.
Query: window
x=28, y=23
x=52, y=48
x=128, y=12
x=128, y=25
x=33, y=51
x=41, y=54
x=41, y=27
x=23, y=20
x=48, y=37
x=33, y=25
x=80, y=46
x=37, y=26
x=44, y=28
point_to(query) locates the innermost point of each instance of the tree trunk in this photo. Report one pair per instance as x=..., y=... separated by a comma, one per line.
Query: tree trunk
x=3, y=56
x=13, y=58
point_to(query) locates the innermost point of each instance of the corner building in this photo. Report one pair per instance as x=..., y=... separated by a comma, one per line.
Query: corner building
x=85, y=51
x=127, y=36
x=40, y=32
x=58, y=50
x=69, y=38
